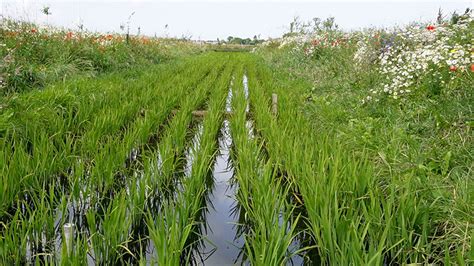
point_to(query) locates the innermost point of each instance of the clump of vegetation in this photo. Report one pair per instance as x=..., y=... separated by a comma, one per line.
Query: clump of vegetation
x=35, y=55
x=404, y=98
x=247, y=41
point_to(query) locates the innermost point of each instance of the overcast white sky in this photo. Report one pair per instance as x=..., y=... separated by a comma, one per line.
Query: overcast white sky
x=219, y=19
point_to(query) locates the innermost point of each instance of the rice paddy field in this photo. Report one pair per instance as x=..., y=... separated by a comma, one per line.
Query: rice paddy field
x=318, y=148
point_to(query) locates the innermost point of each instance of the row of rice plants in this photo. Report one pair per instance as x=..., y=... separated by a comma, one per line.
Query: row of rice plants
x=121, y=245
x=269, y=231
x=173, y=229
x=141, y=128
x=352, y=216
x=46, y=130
x=39, y=197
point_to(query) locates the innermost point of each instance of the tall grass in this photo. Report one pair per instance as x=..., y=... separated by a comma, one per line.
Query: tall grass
x=355, y=212
x=35, y=56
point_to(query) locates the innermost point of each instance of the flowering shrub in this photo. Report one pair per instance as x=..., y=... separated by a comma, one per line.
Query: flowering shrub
x=417, y=58
x=311, y=45
x=419, y=133
x=430, y=57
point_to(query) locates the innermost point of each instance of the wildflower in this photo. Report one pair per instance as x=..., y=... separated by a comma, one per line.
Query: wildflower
x=33, y=30
x=69, y=35
x=472, y=68
x=453, y=68
x=430, y=27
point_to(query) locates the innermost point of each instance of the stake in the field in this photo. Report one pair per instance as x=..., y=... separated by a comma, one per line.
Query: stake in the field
x=69, y=231
x=274, y=103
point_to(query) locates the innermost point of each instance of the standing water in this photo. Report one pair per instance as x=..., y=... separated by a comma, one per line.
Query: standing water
x=221, y=245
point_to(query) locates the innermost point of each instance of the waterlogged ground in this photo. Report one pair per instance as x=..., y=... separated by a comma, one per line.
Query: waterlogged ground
x=142, y=178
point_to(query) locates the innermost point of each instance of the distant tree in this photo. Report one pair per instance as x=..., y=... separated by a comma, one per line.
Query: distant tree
x=246, y=41
x=237, y=40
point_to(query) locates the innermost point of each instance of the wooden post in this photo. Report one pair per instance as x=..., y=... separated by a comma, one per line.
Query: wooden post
x=69, y=231
x=274, y=103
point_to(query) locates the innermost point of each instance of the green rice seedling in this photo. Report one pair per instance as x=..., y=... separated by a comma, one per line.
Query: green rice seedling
x=78, y=255
x=334, y=224
x=169, y=232
x=60, y=132
x=260, y=194
x=200, y=182
x=173, y=145
x=173, y=247
x=130, y=138
x=138, y=128
x=109, y=234
x=12, y=239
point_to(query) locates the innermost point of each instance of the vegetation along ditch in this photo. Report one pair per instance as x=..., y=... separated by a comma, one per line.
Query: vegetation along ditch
x=322, y=147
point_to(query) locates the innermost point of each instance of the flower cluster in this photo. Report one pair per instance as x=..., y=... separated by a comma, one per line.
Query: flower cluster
x=25, y=31
x=309, y=43
x=420, y=52
x=370, y=44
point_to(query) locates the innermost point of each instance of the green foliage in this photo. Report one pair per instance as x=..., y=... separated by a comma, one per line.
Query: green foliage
x=35, y=56
x=412, y=156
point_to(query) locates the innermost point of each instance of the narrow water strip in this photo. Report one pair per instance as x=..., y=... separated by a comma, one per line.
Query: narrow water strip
x=221, y=246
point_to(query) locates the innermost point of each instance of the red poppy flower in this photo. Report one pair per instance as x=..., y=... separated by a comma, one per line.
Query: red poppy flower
x=472, y=68
x=69, y=35
x=33, y=30
x=431, y=28
x=453, y=68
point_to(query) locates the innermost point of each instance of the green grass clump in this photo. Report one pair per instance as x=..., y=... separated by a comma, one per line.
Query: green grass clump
x=36, y=56
x=410, y=159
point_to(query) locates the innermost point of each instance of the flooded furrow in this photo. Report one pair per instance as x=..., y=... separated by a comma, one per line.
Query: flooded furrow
x=222, y=244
